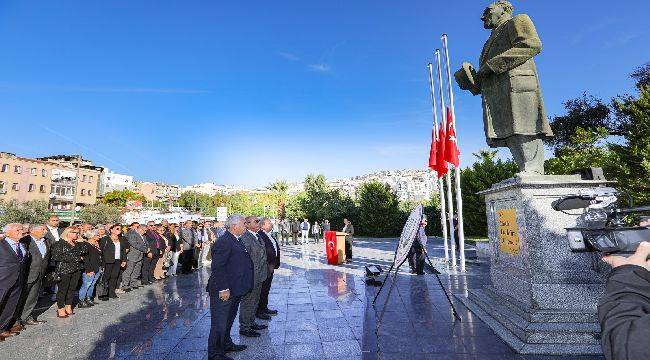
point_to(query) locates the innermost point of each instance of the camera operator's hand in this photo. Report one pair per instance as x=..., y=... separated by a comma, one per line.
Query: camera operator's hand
x=639, y=258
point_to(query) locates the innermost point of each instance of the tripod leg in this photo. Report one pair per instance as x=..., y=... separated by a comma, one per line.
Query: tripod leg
x=390, y=290
x=453, y=309
x=382, y=285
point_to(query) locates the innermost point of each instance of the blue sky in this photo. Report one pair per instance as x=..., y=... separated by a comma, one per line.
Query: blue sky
x=245, y=92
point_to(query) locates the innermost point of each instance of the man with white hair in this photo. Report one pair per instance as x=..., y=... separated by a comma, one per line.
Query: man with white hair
x=39, y=252
x=230, y=280
x=14, y=260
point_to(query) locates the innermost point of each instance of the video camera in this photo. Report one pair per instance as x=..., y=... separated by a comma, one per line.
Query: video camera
x=602, y=227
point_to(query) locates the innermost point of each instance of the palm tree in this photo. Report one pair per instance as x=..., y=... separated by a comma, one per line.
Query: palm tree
x=279, y=189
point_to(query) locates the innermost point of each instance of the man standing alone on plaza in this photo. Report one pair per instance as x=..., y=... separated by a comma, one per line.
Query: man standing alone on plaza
x=349, y=230
x=273, y=260
x=255, y=247
x=231, y=278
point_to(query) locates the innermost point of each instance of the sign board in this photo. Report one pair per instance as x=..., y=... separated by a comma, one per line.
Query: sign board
x=508, y=231
x=134, y=204
x=222, y=213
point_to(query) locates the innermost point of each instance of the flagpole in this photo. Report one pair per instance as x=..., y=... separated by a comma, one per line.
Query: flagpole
x=450, y=202
x=443, y=217
x=459, y=197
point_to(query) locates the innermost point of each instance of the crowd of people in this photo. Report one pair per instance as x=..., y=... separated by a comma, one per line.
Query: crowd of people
x=82, y=265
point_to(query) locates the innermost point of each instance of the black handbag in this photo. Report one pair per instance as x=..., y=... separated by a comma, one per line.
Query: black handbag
x=51, y=277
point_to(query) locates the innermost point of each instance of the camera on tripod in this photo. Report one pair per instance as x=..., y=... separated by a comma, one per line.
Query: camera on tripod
x=602, y=227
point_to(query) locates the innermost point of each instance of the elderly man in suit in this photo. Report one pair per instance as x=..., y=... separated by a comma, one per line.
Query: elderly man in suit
x=14, y=262
x=138, y=249
x=230, y=279
x=187, y=241
x=36, y=245
x=273, y=261
x=255, y=247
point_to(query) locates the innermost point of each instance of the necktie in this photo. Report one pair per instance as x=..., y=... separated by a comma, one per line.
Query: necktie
x=19, y=253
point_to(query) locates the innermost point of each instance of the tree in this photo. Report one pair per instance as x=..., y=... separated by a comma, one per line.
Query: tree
x=29, y=212
x=588, y=113
x=631, y=161
x=642, y=76
x=120, y=197
x=379, y=213
x=481, y=176
x=584, y=149
x=279, y=189
x=100, y=214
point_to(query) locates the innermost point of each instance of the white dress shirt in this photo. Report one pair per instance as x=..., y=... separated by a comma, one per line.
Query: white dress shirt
x=54, y=231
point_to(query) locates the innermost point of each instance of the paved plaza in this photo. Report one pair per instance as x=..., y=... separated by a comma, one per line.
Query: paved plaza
x=325, y=313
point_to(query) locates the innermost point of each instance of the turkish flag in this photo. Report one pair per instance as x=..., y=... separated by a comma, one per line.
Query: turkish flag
x=433, y=152
x=452, y=154
x=441, y=164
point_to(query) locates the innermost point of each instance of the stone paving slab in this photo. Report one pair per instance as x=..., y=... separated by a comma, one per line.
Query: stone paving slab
x=326, y=312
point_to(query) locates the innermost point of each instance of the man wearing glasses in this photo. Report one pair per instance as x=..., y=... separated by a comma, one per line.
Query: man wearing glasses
x=13, y=271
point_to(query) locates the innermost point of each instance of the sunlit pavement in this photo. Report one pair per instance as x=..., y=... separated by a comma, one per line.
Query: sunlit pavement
x=325, y=313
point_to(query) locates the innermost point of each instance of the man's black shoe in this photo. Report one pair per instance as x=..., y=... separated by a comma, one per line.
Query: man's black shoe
x=103, y=298
x=236, y=348
x=259, y=327
x=249, y=333
x=420, y=273
x=270, y=312
x=263, y=316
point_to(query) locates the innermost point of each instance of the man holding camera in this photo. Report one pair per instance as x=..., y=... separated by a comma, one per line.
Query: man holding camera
x=624, y=310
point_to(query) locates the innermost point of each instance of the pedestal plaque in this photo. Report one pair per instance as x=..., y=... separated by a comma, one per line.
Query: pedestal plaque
x=543, y=297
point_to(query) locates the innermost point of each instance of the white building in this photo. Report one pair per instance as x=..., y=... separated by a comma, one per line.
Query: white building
x=111, y=181
x=213, y=189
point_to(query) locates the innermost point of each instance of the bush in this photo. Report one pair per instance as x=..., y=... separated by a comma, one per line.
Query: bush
x=100, y=214
x=30, y=212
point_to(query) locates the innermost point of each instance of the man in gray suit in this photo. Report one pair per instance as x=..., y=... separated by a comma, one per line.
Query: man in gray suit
x=188, y=241
x=138, y=249
x=39, y=252
x=257, y=250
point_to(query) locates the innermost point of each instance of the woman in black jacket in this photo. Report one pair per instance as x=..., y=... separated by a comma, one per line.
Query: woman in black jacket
x=113, y=249
x=92, y=271
x=69, y=264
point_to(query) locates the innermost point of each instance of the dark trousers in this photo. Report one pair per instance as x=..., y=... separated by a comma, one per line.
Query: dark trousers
x=111, y=276
x=9, y=299
x=28, y=301
x=348, y=250
x=195, y=258
x=418, y=261
x=285, y=237
x=187, y=257
x=67, y=287
x=294, y=237
x=222, y=315
x=148, y=266
x=264, y=295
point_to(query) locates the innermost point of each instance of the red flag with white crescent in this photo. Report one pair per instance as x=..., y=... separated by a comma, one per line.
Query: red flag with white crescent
x=452, y=154
x=441, y=164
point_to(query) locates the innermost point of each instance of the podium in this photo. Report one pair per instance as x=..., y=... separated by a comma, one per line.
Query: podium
x=335, y=247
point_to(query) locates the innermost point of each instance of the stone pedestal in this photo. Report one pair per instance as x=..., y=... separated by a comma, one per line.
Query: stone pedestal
x=543, y=297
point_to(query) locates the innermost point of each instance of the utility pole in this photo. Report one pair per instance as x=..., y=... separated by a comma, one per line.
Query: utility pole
x=76, y=188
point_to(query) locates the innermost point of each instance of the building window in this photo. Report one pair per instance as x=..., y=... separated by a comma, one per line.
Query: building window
x=2, y=187
x=31, y=187
x=17, y=169
x=90, y=192
x=83, y=179
x=83, y=192
x=90, y=179
x=42, y=188
x=33, y=171
x=5, y=167
x=15, y=187
x=43, y=173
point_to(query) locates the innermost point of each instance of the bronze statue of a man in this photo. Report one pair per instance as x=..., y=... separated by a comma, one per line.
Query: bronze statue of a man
x=513, y=109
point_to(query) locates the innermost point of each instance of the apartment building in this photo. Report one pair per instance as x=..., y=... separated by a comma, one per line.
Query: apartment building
x=23, y=179
x=65, y=183
x=157, y=191
x=112, y=181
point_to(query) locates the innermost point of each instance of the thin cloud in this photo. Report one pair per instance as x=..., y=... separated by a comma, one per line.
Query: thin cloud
x=321, y=68
x=289, y=56
x=99, y=89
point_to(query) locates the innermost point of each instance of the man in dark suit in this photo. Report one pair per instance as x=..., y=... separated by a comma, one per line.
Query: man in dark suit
x=156, y=247
x=273, y=262
x=230, y=280
x=248, y=306
x=14, y=261
x=53, y=231
x=39, y=257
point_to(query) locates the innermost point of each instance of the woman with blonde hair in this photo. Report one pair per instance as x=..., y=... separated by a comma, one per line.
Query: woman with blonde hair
x=67, y=254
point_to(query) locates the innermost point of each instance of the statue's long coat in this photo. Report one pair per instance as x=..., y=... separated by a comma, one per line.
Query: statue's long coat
x=512, y=99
